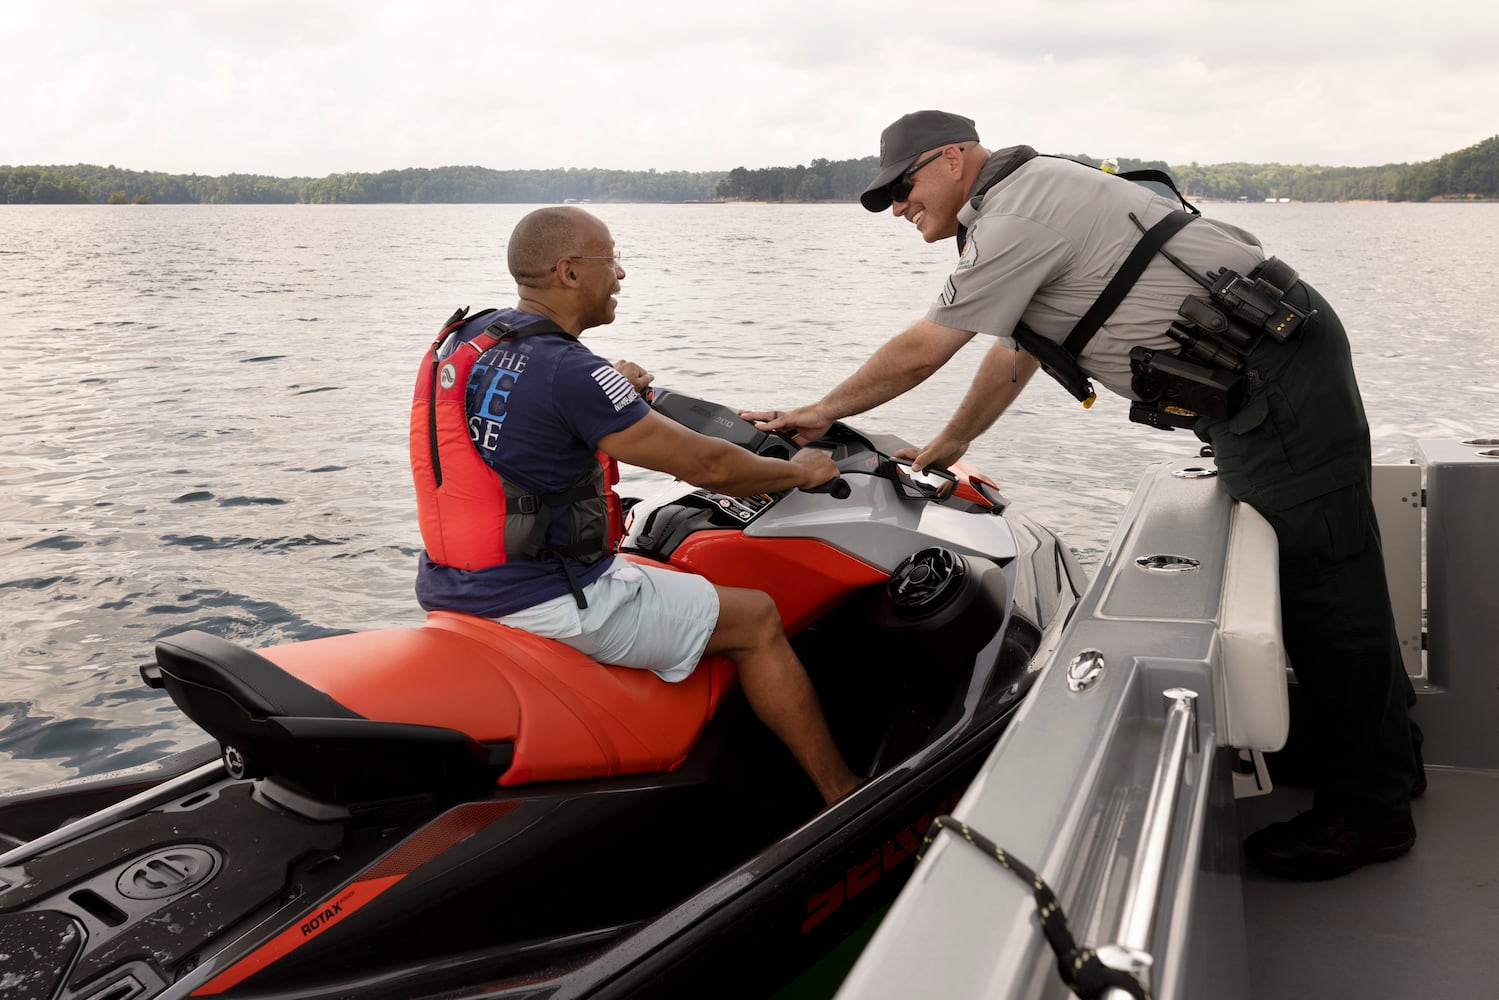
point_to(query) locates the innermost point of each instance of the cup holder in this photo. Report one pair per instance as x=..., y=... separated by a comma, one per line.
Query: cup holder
x=1167, y=564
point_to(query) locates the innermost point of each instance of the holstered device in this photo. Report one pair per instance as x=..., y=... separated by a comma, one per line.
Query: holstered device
x=1257, y=302
x=1216, y=332
x=1174, y=391
x=1057, y=362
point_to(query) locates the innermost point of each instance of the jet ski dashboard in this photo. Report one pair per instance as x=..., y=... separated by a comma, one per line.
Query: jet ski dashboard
x=656, y=532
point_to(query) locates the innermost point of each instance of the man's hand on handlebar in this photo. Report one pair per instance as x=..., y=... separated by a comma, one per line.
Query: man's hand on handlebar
x=816, y=465
x=940, y=453
x=637, y=376
x=805, y=423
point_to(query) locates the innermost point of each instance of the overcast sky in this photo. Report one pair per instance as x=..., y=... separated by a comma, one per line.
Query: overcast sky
x=311, y=87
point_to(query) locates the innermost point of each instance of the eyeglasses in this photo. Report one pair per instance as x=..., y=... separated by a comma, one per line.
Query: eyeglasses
x=613, y=259
x=900, y=189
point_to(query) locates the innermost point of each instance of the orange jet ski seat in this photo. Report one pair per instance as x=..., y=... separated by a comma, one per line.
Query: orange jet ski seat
x=398, y=711
x=566, y=715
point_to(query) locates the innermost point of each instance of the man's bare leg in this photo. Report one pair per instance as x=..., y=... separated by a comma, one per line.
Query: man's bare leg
x=750, y=633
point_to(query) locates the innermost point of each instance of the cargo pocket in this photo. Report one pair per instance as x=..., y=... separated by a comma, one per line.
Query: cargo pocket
x=1251, y=416
x=1247, y=450
x=1297, y=449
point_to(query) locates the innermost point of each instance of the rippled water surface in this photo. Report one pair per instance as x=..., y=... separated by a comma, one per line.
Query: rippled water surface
x=204, y=413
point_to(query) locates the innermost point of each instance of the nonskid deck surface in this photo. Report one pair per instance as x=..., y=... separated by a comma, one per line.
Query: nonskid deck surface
x=1424, y=926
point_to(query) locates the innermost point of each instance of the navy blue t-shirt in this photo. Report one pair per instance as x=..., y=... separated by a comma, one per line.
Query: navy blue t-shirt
x=537, y=407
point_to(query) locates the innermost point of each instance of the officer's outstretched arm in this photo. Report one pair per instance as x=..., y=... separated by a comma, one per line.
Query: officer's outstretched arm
x=903, y=362
x=1002, y=374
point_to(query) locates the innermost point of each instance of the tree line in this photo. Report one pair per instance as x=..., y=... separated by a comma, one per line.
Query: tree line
x=1471, y=173
x=87, y=184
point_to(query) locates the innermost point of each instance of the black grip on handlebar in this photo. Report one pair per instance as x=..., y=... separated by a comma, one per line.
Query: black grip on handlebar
x=836, y=487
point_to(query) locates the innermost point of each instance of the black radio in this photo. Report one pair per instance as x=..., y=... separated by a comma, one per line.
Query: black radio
x=1257, y=302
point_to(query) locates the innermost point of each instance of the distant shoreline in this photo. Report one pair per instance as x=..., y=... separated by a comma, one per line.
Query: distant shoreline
x=1468, y=175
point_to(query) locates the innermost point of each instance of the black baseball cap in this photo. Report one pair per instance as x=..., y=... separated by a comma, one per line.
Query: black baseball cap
x=906, y=139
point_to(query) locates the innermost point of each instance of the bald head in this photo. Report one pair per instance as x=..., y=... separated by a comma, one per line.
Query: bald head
x=564, y=261
x=545, y=235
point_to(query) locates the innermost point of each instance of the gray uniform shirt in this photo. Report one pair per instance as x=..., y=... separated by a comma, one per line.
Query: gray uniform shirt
x=1045, y=241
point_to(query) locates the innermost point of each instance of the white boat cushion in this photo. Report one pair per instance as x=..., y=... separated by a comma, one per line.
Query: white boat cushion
x=1253, y=680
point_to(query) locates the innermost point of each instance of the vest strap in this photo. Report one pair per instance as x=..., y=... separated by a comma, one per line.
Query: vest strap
x=1124, y=279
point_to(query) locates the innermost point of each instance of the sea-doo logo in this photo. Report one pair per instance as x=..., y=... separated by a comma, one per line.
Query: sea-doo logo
x=448, y=376
x=897, y=852
x=312, y=926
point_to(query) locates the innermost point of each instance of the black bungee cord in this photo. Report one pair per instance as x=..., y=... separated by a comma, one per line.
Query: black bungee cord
x=1080, y=968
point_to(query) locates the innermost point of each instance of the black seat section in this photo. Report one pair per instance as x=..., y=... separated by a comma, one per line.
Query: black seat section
x=256, y=683
x=282, y=727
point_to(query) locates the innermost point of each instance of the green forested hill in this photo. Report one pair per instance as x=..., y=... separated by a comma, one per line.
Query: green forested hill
x=1468, y=173
x=1472, y=173
x=83, y=184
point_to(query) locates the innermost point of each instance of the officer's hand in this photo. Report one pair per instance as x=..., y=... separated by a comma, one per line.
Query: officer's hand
x=940, y=453
x=806, y=423
x=637, y=376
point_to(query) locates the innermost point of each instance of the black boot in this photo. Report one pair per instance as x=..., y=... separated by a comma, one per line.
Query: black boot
x=1321, y=844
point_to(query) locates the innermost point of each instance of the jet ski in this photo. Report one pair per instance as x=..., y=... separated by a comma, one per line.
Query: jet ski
x=462, y=809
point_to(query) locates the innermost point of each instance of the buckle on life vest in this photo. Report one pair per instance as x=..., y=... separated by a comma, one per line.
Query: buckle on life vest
x=528, y=503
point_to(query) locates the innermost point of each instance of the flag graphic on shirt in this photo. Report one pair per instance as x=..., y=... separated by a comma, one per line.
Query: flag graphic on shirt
x=618, y=388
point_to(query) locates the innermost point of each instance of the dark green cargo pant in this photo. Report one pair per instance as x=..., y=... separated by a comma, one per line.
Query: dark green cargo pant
x=1298, y=452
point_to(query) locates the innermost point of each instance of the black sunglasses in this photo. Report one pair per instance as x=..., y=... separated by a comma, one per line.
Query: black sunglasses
x=900, y=188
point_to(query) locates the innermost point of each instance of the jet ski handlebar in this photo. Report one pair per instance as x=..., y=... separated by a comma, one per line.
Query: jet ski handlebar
x=836, y=487
x=716, y=420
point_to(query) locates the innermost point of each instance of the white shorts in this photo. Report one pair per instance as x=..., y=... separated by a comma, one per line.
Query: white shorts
x=637, y=616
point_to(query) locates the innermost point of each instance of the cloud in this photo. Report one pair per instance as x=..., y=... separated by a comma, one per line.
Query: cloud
x=308, y=88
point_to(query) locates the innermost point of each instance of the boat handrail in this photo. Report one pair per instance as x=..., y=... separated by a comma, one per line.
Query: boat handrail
x=1131, y=952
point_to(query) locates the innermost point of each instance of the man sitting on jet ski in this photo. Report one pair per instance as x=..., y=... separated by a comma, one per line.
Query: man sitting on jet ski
x=515, y=430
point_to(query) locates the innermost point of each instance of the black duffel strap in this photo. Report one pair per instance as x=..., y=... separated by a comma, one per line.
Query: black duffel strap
x=1124, y=279
x=1080, y=968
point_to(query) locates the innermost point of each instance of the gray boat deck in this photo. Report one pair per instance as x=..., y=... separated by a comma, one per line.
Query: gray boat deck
x=1425, y=926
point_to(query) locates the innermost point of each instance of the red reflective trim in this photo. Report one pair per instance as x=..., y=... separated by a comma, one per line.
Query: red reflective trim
x=453, y=826
x=967, y=476
x=298, y=934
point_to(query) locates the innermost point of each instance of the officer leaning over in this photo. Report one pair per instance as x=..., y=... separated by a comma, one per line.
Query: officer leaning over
x=1092, y=276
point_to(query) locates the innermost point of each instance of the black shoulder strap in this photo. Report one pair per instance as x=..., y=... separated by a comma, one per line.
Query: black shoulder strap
x=502, y=331
x=1150, y=178
x=1124, y=279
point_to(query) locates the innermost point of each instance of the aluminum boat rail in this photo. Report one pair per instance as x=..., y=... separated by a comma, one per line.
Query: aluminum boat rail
x=1099, y=786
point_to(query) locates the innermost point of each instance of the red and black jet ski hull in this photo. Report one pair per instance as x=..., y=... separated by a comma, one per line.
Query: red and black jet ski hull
x=325, y=858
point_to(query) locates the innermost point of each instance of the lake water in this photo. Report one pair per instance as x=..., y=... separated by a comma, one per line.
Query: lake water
x=204, y=419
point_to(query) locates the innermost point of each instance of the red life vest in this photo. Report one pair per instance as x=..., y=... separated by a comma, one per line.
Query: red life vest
x=470, y=518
